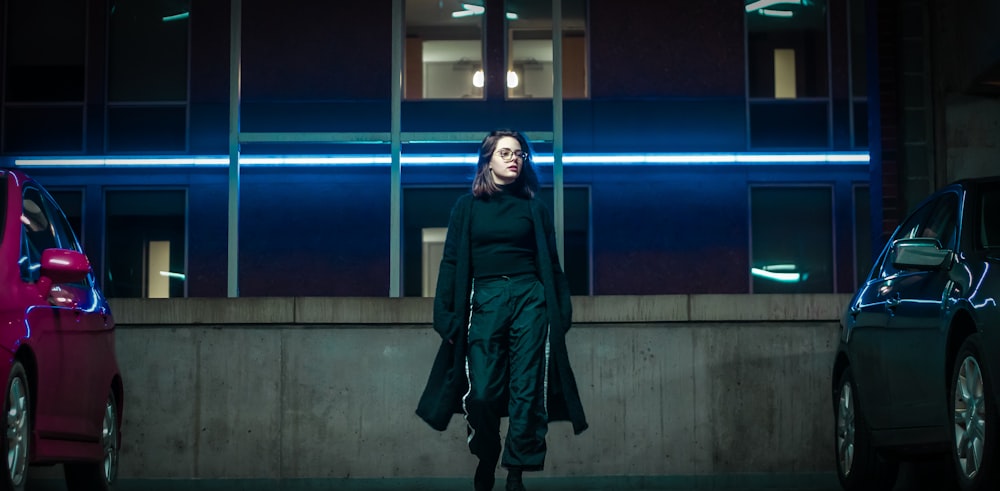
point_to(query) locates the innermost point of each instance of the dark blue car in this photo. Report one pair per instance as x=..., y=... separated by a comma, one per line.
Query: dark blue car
x=915, y=372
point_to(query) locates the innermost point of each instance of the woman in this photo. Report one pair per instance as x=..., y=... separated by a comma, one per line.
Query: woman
x=502, y=308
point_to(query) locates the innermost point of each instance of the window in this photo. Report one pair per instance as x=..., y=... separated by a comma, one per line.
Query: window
x=859, y=72
x=44, y=70
x=787, y=73
x=862, y=234
x=791, y=239
x=444, y=48
x=425, y=220
x=530, y=53
x=443, y=56
x=148, y=75
x=145, y=243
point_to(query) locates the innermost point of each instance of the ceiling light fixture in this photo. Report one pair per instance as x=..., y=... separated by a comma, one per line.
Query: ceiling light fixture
x=512, y=80
x=180, y=16
x=763, y=7
x=775, y=13
x=763, y=4
x=479, y=79
x=470, y=10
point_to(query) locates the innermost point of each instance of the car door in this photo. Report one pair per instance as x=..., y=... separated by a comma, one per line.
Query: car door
x=91, y=346
x=867, y=323
x=64, y=402
x=913, y=349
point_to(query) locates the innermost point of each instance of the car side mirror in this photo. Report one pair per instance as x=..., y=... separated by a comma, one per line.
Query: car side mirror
x=62, y=266
x=920, y=253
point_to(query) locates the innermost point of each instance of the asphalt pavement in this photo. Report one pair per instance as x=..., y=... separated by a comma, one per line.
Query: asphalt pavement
x=917, y=476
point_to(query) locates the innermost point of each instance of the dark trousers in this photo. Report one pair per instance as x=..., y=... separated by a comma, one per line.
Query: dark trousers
x=507, y=363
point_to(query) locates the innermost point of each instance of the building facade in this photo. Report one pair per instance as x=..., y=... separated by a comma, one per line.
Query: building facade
x=684, y=147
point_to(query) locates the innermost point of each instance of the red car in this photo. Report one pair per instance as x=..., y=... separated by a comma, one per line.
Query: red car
x=64, y=393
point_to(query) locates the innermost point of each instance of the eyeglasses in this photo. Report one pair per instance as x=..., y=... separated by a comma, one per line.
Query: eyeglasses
x=508, y=155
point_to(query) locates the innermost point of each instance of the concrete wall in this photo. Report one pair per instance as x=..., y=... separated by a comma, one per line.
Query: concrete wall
x=304, y=388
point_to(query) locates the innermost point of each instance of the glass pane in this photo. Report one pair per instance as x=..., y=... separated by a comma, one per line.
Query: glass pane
x=43, y=129
x=859, y=43
x=989, y=217
x=138, y=223
x=148, y=50
x=787, y=49
x=443, y=56
x=861, y=125
x=529, y=71
x=792, y=239
x=862, y=234
x=789, y=124
x=530, y=54
x=426, y=211
x=136, y=129
x=45, y=50
x=71, y=202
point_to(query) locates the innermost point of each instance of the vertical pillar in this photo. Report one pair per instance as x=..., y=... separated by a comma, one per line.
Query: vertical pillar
x=495, y=56
x=557, y=129
x=235, y=53
x=395, y=174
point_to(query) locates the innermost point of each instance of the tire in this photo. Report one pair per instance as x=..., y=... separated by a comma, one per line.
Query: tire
x=99, y=476
x=16, y=437
x=860, y=467
x=974, y=419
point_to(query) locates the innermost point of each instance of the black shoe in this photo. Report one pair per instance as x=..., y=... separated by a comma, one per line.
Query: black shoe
x=485, y=476
x=514, y=482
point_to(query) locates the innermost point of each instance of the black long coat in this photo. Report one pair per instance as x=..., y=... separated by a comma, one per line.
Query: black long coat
x=447, y=383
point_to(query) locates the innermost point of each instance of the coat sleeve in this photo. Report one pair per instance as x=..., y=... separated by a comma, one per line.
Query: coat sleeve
x=444, y=294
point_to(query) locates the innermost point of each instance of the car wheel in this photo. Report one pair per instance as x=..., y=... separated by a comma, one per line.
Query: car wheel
x=974, y=419
x=98, y=475
x=859, y=465
x=17, y=407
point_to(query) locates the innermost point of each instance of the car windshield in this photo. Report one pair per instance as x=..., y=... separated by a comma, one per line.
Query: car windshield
x=989, y=214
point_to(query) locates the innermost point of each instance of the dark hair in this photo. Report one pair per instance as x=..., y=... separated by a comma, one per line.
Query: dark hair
x=527, y=180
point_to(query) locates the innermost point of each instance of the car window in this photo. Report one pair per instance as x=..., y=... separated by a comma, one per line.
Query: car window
x=935, y=219
x=940, y=223
x=3, y=201
x=989, y=218
x=64, y=234
x=43, y=226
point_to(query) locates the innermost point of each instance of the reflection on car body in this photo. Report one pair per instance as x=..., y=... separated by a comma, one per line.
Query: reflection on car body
x=920, y=346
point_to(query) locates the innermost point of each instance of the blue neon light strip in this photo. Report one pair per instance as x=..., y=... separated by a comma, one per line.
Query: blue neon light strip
x=860, y=158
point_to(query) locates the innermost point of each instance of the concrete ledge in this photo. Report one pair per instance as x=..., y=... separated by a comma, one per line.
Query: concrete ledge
x=768, y=307
x=363, y=310
x=631, y=308
x=247, y=310
x=382, y=311
x=741, y=482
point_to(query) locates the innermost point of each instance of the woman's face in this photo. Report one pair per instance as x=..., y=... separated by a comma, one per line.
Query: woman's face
x=507, y=160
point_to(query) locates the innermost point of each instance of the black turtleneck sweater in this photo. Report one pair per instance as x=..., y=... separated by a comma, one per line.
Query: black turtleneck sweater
x=503, y=236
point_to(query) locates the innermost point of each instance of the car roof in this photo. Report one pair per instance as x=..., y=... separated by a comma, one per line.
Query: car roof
x=972, y=182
